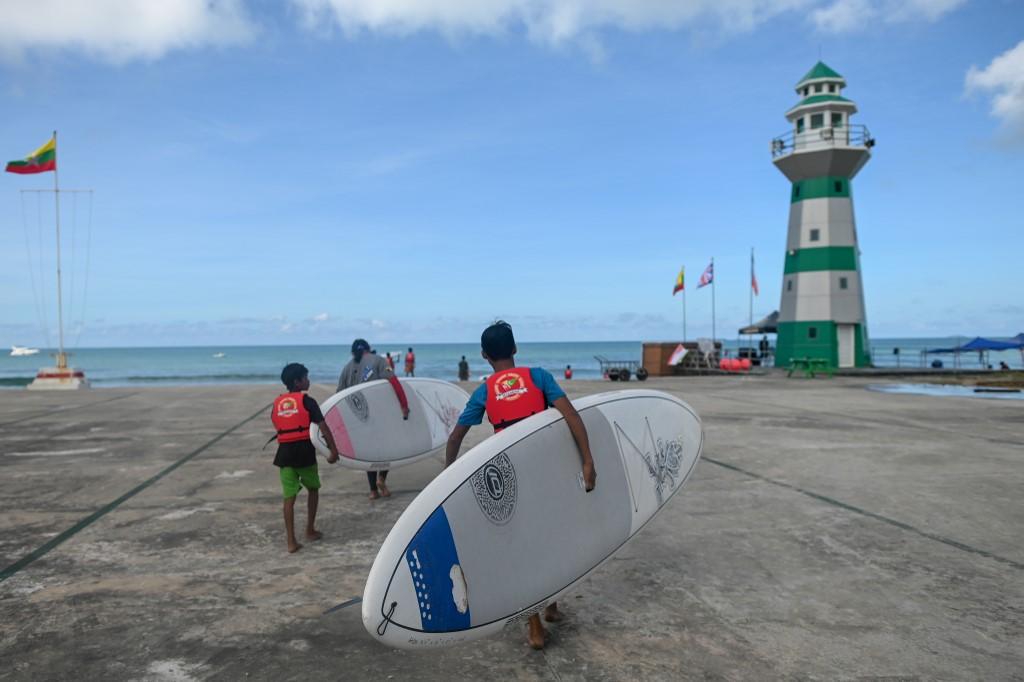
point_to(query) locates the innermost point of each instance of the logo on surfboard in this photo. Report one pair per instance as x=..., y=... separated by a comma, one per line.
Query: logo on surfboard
x=494, y=486
x=360, y=408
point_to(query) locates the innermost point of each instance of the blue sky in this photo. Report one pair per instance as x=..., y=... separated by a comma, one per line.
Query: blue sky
x=317, y=169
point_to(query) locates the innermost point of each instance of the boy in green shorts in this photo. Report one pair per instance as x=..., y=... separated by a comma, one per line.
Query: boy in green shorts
x=292, y=413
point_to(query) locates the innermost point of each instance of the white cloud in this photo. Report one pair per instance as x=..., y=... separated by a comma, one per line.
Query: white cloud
x=1004, y=79
x=121, y=30
x=546, y=21
x=322, y=317
x=842, y=16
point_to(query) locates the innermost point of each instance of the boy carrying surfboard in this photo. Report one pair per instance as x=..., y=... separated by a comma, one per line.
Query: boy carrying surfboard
x=292, y=413
x=510, y=395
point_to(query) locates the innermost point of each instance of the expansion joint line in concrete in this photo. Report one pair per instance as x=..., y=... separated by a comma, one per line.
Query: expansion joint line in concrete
x=62, y=410
x=864, y=512
x=111, y=506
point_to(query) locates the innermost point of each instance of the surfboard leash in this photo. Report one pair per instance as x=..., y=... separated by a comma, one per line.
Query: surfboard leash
x=383, y=626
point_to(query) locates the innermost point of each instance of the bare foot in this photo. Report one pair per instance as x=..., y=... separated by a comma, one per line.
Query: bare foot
x=374, y=494
x=535, y=633
x=293, y=547
x=552, y=614
x=314, y=536
x=383, y=489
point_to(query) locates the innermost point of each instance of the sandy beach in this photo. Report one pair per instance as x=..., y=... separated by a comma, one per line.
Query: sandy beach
x=830, y=532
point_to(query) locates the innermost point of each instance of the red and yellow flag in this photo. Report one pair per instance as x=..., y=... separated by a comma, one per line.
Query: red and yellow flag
x=41, y=160
x=680, y=283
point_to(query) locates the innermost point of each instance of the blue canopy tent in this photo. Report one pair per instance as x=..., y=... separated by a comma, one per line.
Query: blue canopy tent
x=982, y=346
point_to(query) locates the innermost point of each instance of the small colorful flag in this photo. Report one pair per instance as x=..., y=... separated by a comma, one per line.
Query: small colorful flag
x=708, y=277
x=680, y=283
x=677, y=355
x=753, y=277
x=41, y=160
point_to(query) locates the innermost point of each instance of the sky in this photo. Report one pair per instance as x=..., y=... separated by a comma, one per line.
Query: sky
x=307, y=171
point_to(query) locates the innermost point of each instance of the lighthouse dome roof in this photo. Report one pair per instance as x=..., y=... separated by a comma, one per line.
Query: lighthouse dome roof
x=820, y=72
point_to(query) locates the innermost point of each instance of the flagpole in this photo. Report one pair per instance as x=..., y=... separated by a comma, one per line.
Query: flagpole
x=62, y=361
x=684, y=315
x=714, y=336
x=751, y=323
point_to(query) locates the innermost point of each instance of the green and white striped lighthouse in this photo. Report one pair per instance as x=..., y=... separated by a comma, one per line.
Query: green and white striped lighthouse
x=822, y=311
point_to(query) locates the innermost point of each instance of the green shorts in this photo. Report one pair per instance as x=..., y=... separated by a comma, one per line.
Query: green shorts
x=294, y=478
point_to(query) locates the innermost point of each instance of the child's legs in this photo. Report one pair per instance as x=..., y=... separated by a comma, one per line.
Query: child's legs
x=290, y=487
x=289, y=523
x=371, y=476
x=310, y=479
x=535, y=632
x=314, y=500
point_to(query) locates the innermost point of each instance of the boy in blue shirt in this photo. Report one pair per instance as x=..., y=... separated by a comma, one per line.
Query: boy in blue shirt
x=510, y=395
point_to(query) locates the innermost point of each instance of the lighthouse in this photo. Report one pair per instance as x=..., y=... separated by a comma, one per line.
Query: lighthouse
x=822, y=311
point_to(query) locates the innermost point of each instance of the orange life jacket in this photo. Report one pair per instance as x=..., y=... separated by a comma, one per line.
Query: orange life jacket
x=512, y=397
x=290, y=417
x=410, y=359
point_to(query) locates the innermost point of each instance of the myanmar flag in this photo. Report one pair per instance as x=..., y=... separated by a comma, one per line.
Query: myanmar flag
x=41, y=160
x=680, y=285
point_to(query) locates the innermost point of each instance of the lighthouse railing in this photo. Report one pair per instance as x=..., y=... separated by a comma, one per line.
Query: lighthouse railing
x=821, y=138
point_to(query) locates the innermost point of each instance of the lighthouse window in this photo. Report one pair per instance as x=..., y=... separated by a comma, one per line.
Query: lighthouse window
x=817, y=87
x=817, y=121
x=831, y=87
x=844, y=283
x=837, y=120
x=815, y=235
x=838, y=185
x=789, y=285
x=800, y=124
x=812, y=332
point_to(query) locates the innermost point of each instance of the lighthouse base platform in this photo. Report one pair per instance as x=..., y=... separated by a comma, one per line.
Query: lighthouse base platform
x=59, y=379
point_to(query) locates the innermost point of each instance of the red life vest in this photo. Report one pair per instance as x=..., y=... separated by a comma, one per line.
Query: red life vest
x=410, y=359
x=512, y=397
x=290, y=417
x=568, y=373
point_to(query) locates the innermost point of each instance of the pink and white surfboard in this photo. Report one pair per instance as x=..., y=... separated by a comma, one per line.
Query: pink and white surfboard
x=367, y=425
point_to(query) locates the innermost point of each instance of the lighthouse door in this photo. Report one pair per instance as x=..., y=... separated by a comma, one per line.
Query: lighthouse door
x=846, y=354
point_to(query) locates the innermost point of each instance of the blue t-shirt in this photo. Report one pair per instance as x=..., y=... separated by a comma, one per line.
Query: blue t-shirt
x=476, y=408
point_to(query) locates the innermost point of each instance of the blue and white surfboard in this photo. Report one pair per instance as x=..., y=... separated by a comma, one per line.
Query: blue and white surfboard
x=509, y=527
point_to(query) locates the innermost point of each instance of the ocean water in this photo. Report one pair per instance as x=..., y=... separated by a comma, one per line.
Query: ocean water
x=262, y=364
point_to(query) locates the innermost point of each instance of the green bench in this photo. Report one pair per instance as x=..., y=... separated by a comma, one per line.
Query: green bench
x=810, y=366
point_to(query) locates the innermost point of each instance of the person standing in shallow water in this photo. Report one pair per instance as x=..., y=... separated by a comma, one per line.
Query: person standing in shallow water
x=463, y=369
x=410, y=363
x=364, y=366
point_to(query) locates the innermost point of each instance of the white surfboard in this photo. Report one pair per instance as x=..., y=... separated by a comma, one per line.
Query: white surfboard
x=509, y=526
x=367, y=425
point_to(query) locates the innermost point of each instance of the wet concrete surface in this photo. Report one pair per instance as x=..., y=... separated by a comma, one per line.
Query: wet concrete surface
x=830, y=533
